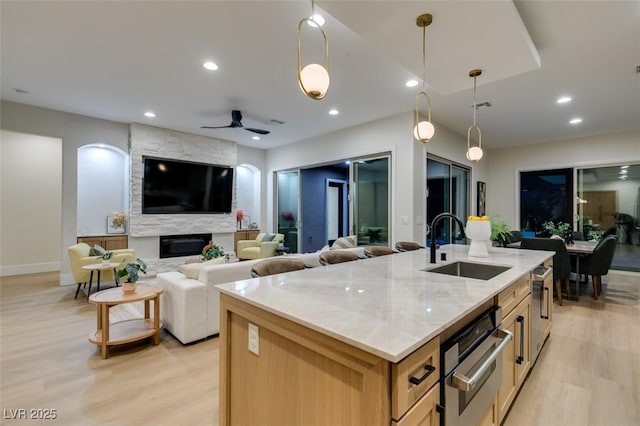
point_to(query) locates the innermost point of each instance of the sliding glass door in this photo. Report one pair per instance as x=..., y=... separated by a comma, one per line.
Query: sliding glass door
x=447, y=191
x=371, y=201
x=288, y=211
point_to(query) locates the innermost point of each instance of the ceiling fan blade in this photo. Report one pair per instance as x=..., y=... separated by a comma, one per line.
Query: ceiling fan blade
x=260, y=131
x=216, y=127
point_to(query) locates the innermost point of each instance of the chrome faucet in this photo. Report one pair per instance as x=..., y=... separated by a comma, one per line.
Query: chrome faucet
x=434, y=233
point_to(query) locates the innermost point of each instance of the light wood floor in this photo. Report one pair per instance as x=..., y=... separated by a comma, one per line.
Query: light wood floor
x=587, y=374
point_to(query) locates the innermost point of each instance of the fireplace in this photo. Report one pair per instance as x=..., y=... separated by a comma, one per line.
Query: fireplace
x=182, y=245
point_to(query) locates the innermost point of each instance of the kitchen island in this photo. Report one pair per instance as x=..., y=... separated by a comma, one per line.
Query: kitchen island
x=331, y=345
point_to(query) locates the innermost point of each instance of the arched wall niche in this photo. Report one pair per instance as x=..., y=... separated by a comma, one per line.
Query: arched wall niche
x=248, y=193
x=103, y=187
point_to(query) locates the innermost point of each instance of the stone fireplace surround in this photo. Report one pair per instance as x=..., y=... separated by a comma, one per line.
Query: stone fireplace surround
x=162, y=143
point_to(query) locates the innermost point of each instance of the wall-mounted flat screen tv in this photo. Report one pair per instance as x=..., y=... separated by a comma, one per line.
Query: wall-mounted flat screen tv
x=175, y=187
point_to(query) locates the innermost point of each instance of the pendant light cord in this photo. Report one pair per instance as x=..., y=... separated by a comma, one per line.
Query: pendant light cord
x=475, y=103
x=424, y=59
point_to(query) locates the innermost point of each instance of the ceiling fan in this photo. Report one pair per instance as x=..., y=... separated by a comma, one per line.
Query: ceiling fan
x=236, y=118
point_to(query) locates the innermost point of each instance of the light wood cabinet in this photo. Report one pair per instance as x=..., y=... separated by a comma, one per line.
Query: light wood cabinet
x=516, y=358
x=491, y=416
x=109, y=242
x=244, y=234
x=424, y=412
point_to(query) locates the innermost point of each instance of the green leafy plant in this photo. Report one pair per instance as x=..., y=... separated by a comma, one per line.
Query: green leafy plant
x=212, y=251
x=560, y=229
x=107, y=255
x=131, y=271
x=500, y=231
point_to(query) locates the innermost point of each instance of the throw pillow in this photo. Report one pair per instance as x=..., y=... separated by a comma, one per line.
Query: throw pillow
x=344, y=242
x=268, y=237
x=192, y=270
x=96, y=250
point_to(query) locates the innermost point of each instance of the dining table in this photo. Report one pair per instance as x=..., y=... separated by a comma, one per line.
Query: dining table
x=579, y=249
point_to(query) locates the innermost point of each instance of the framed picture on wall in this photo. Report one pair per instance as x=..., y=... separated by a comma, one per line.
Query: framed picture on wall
x=115, y=224
x=482, y=198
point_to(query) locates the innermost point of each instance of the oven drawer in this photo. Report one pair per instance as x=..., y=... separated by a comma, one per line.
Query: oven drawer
x=509, y=298
x=412, y=377
x=423, y=412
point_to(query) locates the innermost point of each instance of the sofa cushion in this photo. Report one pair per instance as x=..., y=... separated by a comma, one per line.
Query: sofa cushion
x=267, y=237
x=192, y=270
x=344, y=242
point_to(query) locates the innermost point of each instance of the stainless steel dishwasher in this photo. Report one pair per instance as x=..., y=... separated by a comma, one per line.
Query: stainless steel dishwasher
x=541, y=299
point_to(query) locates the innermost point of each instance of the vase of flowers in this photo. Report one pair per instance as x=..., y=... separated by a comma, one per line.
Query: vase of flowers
x=130, y=273
x=289, y=217
x=239, y=217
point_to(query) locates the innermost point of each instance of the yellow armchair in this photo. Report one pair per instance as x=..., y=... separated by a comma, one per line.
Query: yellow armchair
x=258, y=249
x=79, y=257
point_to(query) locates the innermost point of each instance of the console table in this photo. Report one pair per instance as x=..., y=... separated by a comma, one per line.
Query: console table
x=130, y=330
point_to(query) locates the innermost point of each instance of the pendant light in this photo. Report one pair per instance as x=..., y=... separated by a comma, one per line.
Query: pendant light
x=423, y=130
x=313, y=79
x=474, y=153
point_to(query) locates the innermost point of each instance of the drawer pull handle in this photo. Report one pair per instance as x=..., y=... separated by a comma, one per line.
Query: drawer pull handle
x=416, y=381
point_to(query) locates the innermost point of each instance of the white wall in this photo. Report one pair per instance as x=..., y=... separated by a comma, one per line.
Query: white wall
x=248, y=183
x=31, y=207
x=408, y=164
x=505, y=165
x=103, y=187
x=76, y=131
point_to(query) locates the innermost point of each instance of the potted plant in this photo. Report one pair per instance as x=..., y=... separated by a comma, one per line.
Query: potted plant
x=130, y=272
x=500, y=231
x=212, y=251
x=106, y=257
x=561, y=229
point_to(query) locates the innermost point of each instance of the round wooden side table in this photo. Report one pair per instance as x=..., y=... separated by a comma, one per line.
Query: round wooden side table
x=130, y=330
x=98, y=267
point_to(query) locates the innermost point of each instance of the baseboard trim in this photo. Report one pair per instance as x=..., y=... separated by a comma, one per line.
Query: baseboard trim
x=32, y=268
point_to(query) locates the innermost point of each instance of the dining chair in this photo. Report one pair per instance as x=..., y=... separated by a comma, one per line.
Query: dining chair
x=375, y=251
x=408, y=246
x=598, y=263
x=276, y=265
x=561, y=264
x=332, y=257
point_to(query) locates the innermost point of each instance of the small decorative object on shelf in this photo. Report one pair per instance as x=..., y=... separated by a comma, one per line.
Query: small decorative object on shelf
x=106, y=257
x=116, y=222
x=130, y=272
x=212, y=251
x=239, y=217
x=479, y=230
x=289, y=217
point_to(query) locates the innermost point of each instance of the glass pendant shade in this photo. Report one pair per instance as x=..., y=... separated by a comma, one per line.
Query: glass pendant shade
x=474, y=154
x=424, y=131
x=314, y=81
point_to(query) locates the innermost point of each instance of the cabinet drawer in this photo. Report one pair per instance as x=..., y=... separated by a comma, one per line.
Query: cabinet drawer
x=424, y=412
x=509, y=298
x=421, y=367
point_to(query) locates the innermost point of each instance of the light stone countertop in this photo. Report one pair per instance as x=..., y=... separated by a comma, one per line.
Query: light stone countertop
x=388, y=305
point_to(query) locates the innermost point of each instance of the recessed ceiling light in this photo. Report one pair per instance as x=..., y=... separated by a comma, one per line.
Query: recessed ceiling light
x=563, y=99
x=149, y=114
x=255, y=138
x=334, y=112
x=315, y=18
x=411, y=83
x=576, y=120
x=211, y=66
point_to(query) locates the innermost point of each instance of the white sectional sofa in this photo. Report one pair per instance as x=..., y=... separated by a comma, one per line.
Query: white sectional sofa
x=190, y=308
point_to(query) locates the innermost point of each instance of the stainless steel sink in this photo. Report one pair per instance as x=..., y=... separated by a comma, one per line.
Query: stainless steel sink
x=479, y=271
